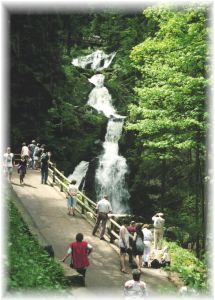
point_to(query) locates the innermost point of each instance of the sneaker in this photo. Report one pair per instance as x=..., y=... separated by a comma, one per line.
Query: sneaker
x=102, y=239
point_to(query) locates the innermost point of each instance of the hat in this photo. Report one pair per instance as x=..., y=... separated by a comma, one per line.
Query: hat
x=33, y=141
x=133, y=222
x=136, y=272
x=146, y=226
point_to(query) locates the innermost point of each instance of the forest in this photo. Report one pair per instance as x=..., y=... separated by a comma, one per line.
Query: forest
x=159, y=79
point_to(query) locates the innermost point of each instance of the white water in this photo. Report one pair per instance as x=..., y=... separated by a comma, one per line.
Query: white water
x=98, y=60
x=110, y=175
x=79, y=172
x=112, y=169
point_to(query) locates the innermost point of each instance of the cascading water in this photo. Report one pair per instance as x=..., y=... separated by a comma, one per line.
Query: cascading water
x=98, y=60
x=79, y=174
x=112, y=169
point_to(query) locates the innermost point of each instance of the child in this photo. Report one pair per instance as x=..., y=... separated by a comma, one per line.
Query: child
x=22, y=169
x=165, y=260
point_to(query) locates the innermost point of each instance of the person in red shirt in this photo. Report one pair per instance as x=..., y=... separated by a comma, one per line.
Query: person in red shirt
x=79, y=252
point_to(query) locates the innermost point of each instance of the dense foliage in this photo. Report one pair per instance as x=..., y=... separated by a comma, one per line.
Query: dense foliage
x=192, y=270
x=169, y=116
x=158, y=78
x=29, y=266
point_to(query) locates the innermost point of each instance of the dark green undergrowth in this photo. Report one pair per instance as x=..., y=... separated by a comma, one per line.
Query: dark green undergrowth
x=194, y=272
x=30, y=267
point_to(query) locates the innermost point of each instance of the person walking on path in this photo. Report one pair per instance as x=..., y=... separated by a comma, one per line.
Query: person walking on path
x=25, y=151
x=31, y=148
x=44, y=165
x=8, y=163
x=22, y=166
x=138, y=246
x=158, y=230
x=123, y=243
x=36, y=156
x=147, y=244
x=79, y=252
x=103, y=207
x=135, y=288
x=71, y=201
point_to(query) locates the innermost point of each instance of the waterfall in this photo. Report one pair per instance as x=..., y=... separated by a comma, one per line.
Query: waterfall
x=79, y=174
x=98, y=60
x=112, y=169
x=110, y=175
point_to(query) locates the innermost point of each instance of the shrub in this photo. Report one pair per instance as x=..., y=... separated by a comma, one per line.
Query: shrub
x=29, y=266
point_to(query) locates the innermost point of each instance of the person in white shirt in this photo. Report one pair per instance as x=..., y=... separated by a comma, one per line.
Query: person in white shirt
x=71, y=201
x=103, y=207
x=147, y=244
x=135, y=288
x=25, y=151
x=158, y=230
x=8, y=163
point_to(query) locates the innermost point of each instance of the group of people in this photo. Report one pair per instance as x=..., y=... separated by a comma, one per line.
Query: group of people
x=33, y=156
x=134, y=239
x=79, y=250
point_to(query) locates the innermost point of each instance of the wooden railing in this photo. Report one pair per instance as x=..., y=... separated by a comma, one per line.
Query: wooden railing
x=85, y=206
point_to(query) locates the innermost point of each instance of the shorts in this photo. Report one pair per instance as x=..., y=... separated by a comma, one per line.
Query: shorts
x=71, y=202
x=137, y=252
x=123, y=250
x=8, y=170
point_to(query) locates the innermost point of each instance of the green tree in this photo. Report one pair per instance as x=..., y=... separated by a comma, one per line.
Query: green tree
x=169, y=116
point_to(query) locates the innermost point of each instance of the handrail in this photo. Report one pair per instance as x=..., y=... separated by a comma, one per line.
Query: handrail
x=85, y=206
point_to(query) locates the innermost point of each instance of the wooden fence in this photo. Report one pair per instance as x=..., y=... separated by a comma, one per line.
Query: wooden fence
x=85, y=206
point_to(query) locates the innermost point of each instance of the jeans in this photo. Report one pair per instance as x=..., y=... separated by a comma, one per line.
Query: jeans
x=44, y=175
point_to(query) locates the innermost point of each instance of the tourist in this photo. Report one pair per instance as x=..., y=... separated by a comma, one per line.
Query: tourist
x=22, y=166
x=71, y=201
x=103, y=207
x=131, y=229
x=8, y=163
x=138, y=246
x=165, y=260
x=44, y=165
x=123, y=243
x=158, y=230
x=147, y=244
x=25, y=151
x=135, y=288
x=36, y=156
x=31, y=148
x=79, y=252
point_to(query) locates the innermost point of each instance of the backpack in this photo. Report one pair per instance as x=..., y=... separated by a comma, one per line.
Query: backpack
x=155, y=264
x=139, y=244
x=44, y=158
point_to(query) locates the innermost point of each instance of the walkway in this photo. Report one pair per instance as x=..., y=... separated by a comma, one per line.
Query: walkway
x=47, y=208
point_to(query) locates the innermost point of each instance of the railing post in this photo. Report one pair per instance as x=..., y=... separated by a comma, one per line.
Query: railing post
x=53, y=178
x=112, y=237
x=61, y=186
